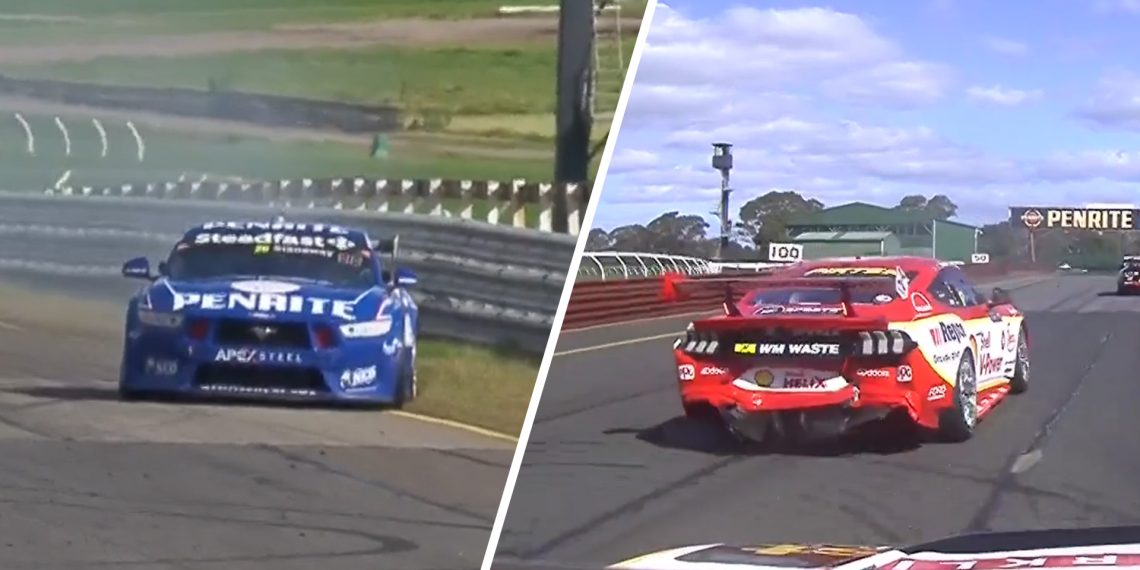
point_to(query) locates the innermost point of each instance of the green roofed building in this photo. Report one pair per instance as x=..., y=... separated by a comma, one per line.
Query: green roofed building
x=865, y=229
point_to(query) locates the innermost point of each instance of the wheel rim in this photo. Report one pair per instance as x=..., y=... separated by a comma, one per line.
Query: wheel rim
x=968, y=389
x=1023, y=357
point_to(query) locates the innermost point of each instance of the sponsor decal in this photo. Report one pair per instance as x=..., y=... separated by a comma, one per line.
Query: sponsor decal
x=936, y=393
x=262, y=287
x=947, y=332
x=882, y=299
x=980, y=562
x=852, y=272
x=947, y=357
x=902, y=283
x=798, y=310
x=763, y=378
x=803, y=382
x=744, y=348
x=356, y=378
x=905, y=373
x=837, y=551
x=686, y=372
x=279, y=226
x=1077, y=218
x=798, y=348
x=713, y=371
x=391, y=347
x=268, y=303
x=283, y=242
x=256, y=356
x=259, y=390
x=161, y=366
x=985, y=340
x=872, y=373
x=920, y=303
x=990, y=365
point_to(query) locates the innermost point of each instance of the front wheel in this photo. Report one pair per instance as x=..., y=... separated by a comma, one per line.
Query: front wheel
x=406, y=386
x=956, y=423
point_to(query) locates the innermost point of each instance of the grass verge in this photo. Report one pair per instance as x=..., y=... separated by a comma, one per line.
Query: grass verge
x=475, y=385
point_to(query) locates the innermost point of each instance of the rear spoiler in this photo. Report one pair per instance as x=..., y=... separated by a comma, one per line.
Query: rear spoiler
x=676, y=287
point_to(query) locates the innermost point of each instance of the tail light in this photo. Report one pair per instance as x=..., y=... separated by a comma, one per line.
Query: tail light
x=323, y=337
x=198, y=329
x=883, y=343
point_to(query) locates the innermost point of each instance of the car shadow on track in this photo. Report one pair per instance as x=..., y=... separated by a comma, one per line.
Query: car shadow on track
x=681, y=433
x=111, y=394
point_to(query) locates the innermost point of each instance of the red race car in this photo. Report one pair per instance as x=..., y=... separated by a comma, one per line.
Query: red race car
x=823, y=346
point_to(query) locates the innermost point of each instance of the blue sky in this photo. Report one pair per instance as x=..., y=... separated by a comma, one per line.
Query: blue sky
x=1017, y=102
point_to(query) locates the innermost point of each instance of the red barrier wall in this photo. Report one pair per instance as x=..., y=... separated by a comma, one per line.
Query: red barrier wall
x=605, y=302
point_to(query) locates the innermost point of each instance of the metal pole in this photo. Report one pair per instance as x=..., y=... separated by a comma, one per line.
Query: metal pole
x=575, y=49
x=722, y=161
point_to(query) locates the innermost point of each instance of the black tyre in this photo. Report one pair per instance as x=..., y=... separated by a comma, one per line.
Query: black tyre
x=957, y=422
x=1020, y=381
x=406, y=387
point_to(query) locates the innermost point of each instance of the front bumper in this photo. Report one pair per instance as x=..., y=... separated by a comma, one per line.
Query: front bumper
x=365, y=370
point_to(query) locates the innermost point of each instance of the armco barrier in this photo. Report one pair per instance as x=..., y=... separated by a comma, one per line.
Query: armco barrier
x=606, y=302
x=478, y=282
x=559, y=206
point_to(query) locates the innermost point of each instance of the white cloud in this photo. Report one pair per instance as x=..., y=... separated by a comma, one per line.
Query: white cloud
x=1115, y=102
x=1126, y=6
x=630, y=159
x=770, y=48
x=1003, y=96
x=1116, y=165
x=1006, y=46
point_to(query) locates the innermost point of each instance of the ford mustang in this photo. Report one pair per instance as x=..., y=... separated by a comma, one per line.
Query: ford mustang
x=273, y=310
x=821, y=347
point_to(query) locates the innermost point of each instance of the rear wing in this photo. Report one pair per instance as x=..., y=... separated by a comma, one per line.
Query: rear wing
x=677, y=287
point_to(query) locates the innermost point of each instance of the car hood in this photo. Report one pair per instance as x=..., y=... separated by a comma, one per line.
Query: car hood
x=266, y=299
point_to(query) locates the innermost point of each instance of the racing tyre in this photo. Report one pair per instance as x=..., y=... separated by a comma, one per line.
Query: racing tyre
x=957, y=422
x=1020, y=381
x=406, y=388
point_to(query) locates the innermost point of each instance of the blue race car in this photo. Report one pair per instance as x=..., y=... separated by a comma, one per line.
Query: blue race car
x=273, y=310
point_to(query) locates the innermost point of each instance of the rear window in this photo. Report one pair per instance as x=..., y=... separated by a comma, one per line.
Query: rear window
x=816, y=296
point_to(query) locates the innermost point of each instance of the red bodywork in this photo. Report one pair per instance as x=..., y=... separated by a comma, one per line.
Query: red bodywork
x=852, y=386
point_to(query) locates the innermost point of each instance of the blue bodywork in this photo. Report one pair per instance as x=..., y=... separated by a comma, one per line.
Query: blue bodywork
x=273, y=310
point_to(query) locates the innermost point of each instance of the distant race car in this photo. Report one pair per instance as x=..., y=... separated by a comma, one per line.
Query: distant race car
x=273, y=310
x=821, y=347
x=1068, y=549
x=1128, y=278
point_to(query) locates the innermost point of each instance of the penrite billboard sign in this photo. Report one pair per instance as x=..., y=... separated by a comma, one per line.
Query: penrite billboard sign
x=1061, y=218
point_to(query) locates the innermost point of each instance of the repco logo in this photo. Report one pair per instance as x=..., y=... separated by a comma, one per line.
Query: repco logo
x=947, y=332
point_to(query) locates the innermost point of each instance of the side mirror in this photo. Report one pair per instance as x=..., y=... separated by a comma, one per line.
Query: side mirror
x=137, y=268
x=406, y=277
x=1000, y=297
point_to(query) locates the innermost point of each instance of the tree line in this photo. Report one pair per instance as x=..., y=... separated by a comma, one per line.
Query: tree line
x=764, y=220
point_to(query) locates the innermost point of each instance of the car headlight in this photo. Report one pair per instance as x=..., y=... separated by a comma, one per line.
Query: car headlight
x=159, y=319
x=367, y=329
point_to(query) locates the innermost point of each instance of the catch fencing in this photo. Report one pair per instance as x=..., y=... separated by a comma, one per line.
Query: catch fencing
x=597, y=302
x=518, y=203
x=483, y=283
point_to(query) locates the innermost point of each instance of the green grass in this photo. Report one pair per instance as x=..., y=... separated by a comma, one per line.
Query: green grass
x=475, y=385
x=170, y=153
x=455, y=80
x=111, y=19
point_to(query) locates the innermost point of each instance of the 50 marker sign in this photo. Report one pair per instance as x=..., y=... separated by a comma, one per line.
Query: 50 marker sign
x=785, y=252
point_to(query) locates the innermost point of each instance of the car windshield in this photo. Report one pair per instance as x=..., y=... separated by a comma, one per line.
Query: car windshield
x=213, y=261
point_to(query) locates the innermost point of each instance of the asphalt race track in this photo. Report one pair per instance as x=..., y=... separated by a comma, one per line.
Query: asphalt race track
x=87, y=481
x=611, y=471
